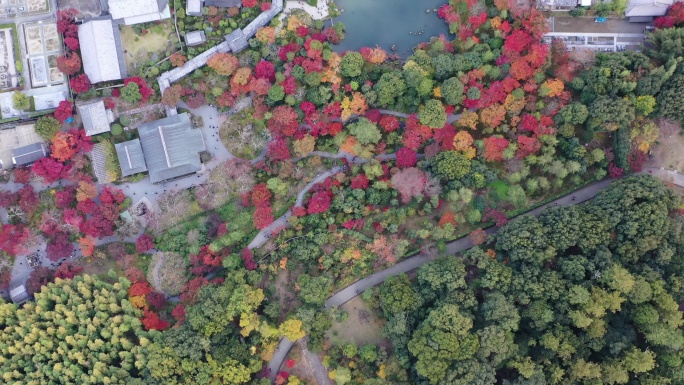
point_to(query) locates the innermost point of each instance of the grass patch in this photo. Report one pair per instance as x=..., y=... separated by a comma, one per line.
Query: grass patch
x=500, y=187
x=361, y=327
x=138, y=49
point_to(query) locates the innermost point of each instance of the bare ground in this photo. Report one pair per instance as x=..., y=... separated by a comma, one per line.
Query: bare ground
x=286, y=297
x=301, y=369
x=669, y=152
x=362, y=327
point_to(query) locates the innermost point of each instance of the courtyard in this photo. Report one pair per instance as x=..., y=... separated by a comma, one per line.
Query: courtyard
x=42, y=47
x=11, y=8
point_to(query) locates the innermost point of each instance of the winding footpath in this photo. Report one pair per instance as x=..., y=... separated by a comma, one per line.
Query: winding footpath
x=412, y=263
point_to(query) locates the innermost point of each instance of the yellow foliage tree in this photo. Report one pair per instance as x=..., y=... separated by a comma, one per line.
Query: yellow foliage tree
x=304, y=145
x=551, y=88
x=292, y=329
x=138, y=302
x=462, y=141
x=266, y=35
x=468, y=120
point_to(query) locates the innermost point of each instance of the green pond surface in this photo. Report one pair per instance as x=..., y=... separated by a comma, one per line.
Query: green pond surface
x=403, y=23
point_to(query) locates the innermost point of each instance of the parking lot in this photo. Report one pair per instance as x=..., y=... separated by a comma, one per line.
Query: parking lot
x=588, y=25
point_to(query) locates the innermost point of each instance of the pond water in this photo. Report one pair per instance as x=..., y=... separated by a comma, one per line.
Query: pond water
x=403, y=23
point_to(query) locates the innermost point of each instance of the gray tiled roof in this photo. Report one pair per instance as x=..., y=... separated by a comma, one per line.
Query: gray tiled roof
x=28, y=154
x=131, y=158
x=171, y=147
x=94, y=117
x=237, y=40
x=223, y=3
x=647, y=7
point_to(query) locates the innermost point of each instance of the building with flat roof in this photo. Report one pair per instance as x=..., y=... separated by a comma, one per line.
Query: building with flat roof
x=131, y=157
x=28, y=154
x=132, y=12
x=171, y=147
x=101, y=50
x=95, y=117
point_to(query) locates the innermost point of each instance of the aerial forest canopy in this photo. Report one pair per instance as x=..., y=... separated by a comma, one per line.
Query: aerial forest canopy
x=580, y=295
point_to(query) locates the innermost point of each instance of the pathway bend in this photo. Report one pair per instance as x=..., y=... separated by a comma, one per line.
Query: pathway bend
x=412, y=263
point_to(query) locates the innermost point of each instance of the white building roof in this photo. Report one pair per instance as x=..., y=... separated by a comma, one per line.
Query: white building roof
x=139, y=11
x=101, y=50
x=194, y=8
x=195, y=38
x=647, y=7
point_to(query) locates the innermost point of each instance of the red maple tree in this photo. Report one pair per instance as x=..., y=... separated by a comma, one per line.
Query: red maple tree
x=69, y=64
x=13, y=239
x=144, y=243
x=406, y=157
x=80, y=83
x=151, y=321
x=64, y=111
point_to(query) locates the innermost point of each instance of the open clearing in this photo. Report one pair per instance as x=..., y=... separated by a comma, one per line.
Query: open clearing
x=668, y=152
x=362, y=327
x=156, y=40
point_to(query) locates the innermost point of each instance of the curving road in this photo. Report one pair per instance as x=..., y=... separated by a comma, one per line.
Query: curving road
x=457, y=246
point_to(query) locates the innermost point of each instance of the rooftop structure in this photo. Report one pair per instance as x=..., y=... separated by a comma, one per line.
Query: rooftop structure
x=650, y=8
x=19, y=294
x=28, y=154
x=237, y=41
x=223, y=3
x=171, y=147
x=194, y=8
x=95, y=117
x=195, y=38
x=101, y=50
x=139, y=11
x=131, y=158
x=48, y=101
x=15, y=144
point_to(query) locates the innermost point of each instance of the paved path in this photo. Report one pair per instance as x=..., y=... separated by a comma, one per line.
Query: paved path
x=457, y=246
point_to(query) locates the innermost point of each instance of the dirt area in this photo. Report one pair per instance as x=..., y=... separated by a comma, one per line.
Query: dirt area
x=362, y=327
x=153, y=45
x=85, y=8
x=300, y=368
x=286, y=297
x=669, y=152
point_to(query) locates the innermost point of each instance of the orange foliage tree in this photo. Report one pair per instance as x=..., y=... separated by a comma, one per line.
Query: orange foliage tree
x=85, y=191
x=223, y=63
x=87, y=246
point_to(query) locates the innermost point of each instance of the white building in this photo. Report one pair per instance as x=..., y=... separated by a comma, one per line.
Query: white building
x=647, y=9
x=139, y=11
x=101, y=50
